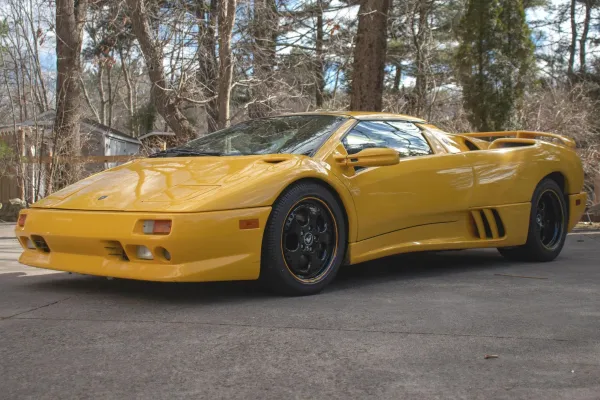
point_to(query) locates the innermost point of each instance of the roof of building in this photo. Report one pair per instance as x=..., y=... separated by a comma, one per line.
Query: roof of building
x=156, y=133
x=46, y=119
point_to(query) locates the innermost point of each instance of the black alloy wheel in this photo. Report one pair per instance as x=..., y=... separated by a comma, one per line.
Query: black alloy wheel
x=305, y=240
x=547, y=225
x=309, y=239
x=549, y=219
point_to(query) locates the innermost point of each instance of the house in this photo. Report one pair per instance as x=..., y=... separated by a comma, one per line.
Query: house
x=30, y=139
x=156, y=140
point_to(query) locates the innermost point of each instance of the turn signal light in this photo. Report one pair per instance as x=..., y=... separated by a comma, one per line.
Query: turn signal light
x=157, y=227
x=249, y=224
x=21, y=221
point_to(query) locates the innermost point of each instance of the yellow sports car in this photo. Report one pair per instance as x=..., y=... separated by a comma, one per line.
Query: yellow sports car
x=289, y=199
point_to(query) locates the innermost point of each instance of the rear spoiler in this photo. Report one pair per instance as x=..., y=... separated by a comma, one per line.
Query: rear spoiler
x=522, y=135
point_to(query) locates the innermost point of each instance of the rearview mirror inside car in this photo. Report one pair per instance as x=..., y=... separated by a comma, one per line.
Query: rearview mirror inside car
x=372, y=157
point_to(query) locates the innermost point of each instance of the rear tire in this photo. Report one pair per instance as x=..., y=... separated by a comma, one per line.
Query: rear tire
x=547, y=226
x=305, y=241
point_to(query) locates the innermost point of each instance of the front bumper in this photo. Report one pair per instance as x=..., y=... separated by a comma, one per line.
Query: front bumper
x=577, y=204
x=208, y=246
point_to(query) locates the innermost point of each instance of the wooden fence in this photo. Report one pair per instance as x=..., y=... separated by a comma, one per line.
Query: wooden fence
x=11, y=187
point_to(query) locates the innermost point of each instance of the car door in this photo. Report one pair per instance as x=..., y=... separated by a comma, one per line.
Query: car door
x=424, y=188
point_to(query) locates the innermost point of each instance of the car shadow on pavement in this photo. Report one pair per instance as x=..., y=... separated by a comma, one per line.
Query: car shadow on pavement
x=390, y=269
x=167, y=292
x=417, y=266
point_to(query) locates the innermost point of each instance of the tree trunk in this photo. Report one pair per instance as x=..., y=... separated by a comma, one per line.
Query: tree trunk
x=320, y=62
x=110, y=98
x=24, y=88
x=86, y=96
x=420, y=41
x=265, y=36
x=38, y=66
x=70, y=19
x=164, y=100
x=226, y=20
x=19, y=94
x=130, y=103
x=584, y=36
x=397, y=77
x=101, y=93
x=369, y=56
x=573, y=46
x=207, y=74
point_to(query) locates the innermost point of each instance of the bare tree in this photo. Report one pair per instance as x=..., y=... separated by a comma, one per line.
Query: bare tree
x=320, y=56
x=264, y=33
x=150, y=64
x=207, y=74
x=227, y=10
x=421, y=35
x=588, y=5
x=369, y=56
x=164, y=98
x=70, y=19
x=573, y=46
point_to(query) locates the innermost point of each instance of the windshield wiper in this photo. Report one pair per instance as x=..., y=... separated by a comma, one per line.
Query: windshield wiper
x=183, y=153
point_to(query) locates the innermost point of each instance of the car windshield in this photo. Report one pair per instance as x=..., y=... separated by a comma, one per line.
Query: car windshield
x=296, y=134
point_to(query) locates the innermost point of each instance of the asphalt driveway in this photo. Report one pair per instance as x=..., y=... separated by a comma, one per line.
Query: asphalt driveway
x=405, y=327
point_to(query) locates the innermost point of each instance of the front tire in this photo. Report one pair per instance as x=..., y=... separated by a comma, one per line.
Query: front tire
x=304, y=242
x=547, y=226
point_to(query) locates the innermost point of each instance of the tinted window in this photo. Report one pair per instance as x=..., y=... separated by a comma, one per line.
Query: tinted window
x=404, y=137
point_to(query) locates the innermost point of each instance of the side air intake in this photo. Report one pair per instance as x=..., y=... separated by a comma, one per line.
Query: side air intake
x=488, y=224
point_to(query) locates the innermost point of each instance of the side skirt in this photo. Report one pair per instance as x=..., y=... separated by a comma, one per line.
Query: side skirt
x=465, y=233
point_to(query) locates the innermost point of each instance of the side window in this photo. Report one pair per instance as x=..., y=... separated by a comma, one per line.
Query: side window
x=404, y=137
x=356, y=141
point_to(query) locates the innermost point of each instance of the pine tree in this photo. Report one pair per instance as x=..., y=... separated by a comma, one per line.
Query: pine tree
x=494, y=59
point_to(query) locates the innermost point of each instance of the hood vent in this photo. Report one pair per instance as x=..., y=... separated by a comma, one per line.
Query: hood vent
x=275, y=159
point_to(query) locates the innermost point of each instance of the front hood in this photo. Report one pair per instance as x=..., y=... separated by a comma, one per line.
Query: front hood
x=187, y=184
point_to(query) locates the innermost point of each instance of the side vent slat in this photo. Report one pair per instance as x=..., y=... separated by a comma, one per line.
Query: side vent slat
x=479, y=223
x=489, y=216
x=488, y=224
x=499, y=223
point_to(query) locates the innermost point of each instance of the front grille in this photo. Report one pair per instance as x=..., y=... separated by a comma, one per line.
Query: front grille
x=115, y=249
x=40, y=243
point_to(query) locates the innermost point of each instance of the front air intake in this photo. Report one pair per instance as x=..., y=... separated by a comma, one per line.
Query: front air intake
x=40, y=243
x=115, y=249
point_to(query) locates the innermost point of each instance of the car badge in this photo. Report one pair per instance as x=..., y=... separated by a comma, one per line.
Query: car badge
x=102, y=197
